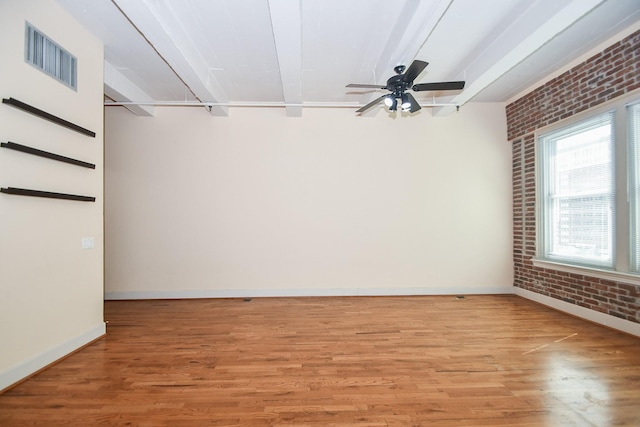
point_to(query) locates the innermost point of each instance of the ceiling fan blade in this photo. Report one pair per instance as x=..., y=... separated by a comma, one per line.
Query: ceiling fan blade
x=414, y=104
x=365, y=86
x=414, y=71
x=371, y=104
x=438, y=86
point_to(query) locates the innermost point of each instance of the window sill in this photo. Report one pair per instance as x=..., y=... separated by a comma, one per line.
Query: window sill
x=615, y=276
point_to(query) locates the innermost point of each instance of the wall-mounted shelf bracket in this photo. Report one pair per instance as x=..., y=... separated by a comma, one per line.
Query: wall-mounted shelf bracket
x=46, y=194
x=47, y=116
x=46, y=154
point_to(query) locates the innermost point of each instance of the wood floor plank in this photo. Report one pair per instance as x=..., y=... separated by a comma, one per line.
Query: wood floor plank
x=492, y=360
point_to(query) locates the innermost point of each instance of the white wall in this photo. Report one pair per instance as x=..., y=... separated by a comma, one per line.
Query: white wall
x=51, y=290
x=258, y=204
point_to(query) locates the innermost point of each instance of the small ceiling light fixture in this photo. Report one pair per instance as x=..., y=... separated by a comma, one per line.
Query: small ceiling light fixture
x=406, y=102
x=391, y=102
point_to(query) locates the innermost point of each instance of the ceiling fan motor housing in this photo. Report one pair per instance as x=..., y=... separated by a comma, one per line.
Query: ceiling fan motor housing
x=397, y=85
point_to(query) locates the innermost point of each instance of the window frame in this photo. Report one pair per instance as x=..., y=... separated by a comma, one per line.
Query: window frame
x=633, y=165
x=552, y=195
x=622, y=250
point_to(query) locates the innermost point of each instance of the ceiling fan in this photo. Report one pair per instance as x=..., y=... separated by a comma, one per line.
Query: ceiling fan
x=399, y=84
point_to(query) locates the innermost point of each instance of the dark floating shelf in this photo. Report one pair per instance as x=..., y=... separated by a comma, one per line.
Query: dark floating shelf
x=47, y=194
x=47, y=116
x=46, y=154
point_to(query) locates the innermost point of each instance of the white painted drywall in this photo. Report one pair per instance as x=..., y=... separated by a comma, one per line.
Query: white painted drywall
x=259, y=204
x=51, y=290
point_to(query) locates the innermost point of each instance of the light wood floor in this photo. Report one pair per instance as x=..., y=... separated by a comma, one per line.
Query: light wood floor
x=362, y=361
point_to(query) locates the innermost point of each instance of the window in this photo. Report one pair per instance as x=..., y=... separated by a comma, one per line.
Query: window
x=44, y=54
x=578, y=192
x=589, y=191
x=634, y=183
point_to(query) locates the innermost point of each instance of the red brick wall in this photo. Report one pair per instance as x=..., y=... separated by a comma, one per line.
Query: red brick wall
x=605, y=76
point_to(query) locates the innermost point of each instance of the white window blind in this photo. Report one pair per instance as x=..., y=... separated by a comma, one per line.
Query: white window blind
x=578, y=188
x=634, y=183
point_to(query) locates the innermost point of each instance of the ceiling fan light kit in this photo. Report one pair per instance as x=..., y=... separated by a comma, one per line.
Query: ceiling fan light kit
x=400, y=83
x=391, y=102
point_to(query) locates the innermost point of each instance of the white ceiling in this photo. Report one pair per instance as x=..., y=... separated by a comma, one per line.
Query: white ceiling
x=291, y=53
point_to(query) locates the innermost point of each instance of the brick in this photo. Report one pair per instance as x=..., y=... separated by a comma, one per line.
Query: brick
x=606, y=75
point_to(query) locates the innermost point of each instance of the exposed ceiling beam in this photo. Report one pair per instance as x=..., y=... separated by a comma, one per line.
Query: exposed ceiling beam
x=495, y=61
x=121, y=89
x=251, y=104
x=157, y=22
x=286, y=23
x=414, y=25
x=417, y=20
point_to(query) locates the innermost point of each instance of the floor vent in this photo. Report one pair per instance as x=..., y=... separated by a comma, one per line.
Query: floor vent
x=46, y=55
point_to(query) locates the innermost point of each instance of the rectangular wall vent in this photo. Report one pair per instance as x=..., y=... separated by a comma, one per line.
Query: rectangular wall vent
x=46, y=55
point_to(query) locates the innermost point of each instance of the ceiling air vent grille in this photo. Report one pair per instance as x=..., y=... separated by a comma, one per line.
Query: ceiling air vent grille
x=46, y=55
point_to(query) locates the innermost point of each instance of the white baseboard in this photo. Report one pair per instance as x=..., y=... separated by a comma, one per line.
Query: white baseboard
x=582, y=312
x=24, y=369
x=316, y=292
